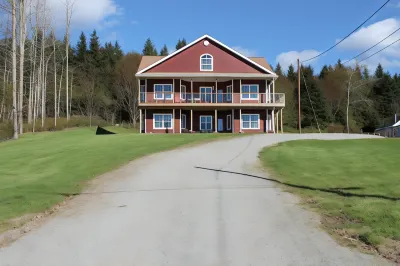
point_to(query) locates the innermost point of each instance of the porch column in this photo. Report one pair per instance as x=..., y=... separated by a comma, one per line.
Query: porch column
x=273, y=90
x=273, y=120
x=173, y=120
x=145, y=90
x=266, y=91
x=266, y=120
x=216, y=88
x=240, y=120
x=191, y=119
x=173, y=93
x=232, y=96
x=240, y=95
x=145, y=119
x=140, y=121
x=139, y=90
x=216, y=121
x=180, y=120
x=282, y=120
x=180, y=92
x=191, y=89
x=233, y=121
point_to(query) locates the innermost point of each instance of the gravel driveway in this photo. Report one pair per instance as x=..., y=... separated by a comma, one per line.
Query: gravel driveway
x=164, y=210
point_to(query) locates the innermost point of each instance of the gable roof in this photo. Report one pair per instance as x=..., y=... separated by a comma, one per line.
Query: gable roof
x=149, y=62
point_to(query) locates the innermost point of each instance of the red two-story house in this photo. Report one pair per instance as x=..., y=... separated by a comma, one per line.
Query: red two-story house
x=207, y=86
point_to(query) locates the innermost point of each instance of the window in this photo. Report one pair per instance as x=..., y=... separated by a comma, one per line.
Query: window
x=162, y=91
x=206, y=122
x=250, y=121
x=183, y=121
x=183, y=92
x=229, y=94
x=228, y=122
x=206, y=62
x=142, y=93
x=162, y=121
x=206, y=94
x=250, y=92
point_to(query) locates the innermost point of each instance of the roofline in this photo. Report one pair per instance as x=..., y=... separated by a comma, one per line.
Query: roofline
x=209, y=74
x=196, y=41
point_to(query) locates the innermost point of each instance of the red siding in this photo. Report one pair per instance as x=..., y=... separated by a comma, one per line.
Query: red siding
x=189, y=61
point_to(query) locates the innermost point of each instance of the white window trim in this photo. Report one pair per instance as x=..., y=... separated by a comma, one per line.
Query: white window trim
x=183, y=115
x=210, y=93
x=229, y=93
x=163, y=96
x=211, y=121
x=154, y=121
x=229, y=122
x=250, y=99
x=212, y=63
x=183, y=88
x=250, y=128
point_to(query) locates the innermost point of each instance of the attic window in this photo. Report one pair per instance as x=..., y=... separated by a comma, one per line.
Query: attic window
x=206, y=62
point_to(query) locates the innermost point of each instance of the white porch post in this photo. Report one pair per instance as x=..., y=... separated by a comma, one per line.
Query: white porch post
x=233, y=121
x=180, y=90
x=145, y=119
x=282, y=120
x=173, y=91
x=266, y=120
x=216, y=121
x=216, y=89
x=180, y=120
x=232, y=96
x=273, y=120
x=191, y=119
x=140, y=121
x=191, y=89
x=266, y=90
x=145, y=90
x=240, y=120
x=240, y=95
x=273, y=90
x=138, y=81
x=173, y=120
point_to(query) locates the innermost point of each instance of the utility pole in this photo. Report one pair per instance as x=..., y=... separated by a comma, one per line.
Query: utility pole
x=298, y=94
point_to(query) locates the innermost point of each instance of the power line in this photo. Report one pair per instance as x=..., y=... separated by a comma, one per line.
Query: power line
x=380, y=50
x=324, y=52
x=372, y=46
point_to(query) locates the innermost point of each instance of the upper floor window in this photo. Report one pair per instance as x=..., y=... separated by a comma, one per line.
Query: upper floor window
x=250, y=92
x=206, y=62
x=163, y=91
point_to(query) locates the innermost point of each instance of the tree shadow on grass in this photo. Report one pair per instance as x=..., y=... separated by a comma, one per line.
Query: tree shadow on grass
x=338, y=190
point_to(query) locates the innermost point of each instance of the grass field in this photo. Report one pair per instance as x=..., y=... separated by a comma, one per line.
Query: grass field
x=357, y=182
x=38, y=170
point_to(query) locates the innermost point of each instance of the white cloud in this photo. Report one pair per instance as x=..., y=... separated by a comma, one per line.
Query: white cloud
x=398, y=5
x=244, y=51
x=86, y=13
x=369, y=36
x=288, y=58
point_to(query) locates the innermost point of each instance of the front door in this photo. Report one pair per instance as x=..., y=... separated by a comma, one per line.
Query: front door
x=220, y=125
x=220, y=97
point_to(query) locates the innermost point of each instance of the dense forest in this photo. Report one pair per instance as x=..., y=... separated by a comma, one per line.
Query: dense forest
x=47, y=83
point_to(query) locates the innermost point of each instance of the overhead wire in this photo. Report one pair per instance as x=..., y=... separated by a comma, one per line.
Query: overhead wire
x=384, y=48
x=348, y=35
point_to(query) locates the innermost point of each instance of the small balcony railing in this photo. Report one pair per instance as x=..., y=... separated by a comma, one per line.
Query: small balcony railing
x=216, y=98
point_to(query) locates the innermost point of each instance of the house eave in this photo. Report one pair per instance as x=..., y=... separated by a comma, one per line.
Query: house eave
x=206, y=75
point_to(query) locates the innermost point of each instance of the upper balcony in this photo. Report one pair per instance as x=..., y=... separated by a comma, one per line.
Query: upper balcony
x=212, y=99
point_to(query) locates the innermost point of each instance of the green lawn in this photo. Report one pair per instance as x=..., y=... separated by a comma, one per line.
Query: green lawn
x=38, y=170
x=360, y=182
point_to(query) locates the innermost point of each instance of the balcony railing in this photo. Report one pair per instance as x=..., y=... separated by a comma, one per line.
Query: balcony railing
x=216, y=98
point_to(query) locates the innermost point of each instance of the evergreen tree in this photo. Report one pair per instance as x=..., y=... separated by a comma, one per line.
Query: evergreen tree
x=118, y=51
x=81, y=49
x=164, y=51
x=379, y=71
x=180, y=44
x=314, y=95
x=339, y=64
x=149, y=48
x=365, y=73
x=324, y=72
x=94, y=49
x=278, y=70
x=291, y=75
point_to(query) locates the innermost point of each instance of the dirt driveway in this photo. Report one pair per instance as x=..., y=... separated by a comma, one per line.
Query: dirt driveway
x=166, y=209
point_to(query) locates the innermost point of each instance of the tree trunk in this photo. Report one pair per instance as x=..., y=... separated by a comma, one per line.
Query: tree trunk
x=22, y=30
x=68, y=19
x=70, y=97
x=59, y=90
x=30, y=101
x=55, y=84
x=14, y=69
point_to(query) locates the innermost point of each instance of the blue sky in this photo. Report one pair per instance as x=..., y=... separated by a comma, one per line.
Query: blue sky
x=278, y=30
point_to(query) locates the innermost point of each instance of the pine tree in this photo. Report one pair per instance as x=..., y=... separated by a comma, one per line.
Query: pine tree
x=164, y=51
x=339, y=64
x=291, y=75
x=379, y=71
x=118, y=51
x=81, y=49
x=180, y=44
x=149, y=48
x=278, y=70
x=94, y=49
x=365, y=73
x=324, y=72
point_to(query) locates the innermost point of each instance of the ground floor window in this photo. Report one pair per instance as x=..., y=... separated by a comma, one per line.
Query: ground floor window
x=250, y=121
x=183, y=121
x=206, y=122
x=162, y=121
x=228, y=122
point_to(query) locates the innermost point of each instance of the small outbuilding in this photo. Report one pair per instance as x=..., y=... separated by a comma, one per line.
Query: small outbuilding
x=390, y=131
